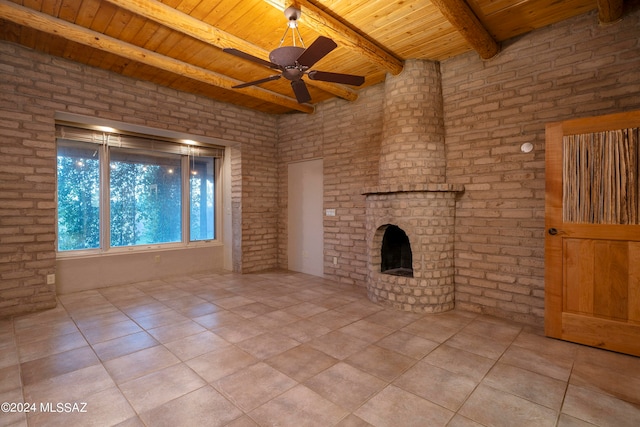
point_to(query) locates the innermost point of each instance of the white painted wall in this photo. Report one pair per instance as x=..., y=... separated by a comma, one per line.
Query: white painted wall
x=305, y=220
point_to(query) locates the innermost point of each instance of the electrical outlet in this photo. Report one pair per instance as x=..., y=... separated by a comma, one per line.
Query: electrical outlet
x=157, y=259
x=335, y=260
x=51, y=279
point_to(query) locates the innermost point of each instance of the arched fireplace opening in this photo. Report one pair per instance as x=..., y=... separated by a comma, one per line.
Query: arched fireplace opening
x=396, y=253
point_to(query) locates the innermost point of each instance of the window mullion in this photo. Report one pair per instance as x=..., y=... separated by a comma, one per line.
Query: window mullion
x=105, y=206
x=217, y=198
x=186, y=199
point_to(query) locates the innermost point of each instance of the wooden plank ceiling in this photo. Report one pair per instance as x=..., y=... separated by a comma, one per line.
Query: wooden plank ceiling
x=178, y=43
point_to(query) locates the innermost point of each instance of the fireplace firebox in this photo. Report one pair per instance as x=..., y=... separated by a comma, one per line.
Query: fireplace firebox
x=396, y=253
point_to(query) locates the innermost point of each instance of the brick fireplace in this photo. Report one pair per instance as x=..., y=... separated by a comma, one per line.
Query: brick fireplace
x=410, y=214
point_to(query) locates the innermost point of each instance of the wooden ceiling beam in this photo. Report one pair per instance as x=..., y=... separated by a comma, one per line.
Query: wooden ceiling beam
x=179, y=21
x=42, y=22
x=460, y=15
x=326, y=25
x=609, y=10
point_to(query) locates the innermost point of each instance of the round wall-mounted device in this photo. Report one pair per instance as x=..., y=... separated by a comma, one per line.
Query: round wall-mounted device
x=527, y=147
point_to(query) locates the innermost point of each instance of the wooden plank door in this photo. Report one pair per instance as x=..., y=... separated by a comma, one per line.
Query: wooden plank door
x=592, y=243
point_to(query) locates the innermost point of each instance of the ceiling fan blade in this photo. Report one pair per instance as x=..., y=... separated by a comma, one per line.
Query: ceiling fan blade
x=241, y=54
x=348, y=79
x=257, y=82
x=318, y=49
x=301, y=91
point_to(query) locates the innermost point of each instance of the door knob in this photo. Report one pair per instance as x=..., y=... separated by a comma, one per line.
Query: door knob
x=553, y=231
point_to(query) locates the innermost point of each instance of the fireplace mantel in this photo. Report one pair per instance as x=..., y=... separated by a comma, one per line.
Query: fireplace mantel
x=412, y=188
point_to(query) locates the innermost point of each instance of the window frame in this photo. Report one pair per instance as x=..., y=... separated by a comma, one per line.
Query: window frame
x=186, y=148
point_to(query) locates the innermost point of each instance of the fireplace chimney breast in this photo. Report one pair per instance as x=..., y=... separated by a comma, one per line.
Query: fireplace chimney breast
x=412, y=150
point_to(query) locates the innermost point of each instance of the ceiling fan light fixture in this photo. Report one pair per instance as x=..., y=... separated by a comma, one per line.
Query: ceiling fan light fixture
x=285, y=56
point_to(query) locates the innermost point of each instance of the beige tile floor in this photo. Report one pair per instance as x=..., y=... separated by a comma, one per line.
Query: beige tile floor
x=289, y=349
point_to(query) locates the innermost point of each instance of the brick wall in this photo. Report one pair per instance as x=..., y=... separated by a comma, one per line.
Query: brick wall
x=34, y=86
x=571, y=69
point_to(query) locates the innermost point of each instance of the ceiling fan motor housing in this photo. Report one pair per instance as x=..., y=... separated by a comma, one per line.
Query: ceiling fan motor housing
x=292, y=13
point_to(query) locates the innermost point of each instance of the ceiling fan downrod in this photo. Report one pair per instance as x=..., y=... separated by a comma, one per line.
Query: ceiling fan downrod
x=292, y=14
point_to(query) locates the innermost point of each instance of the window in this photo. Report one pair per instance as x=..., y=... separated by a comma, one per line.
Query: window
x=201, y=199
x=78, y=196
x=121, y=191
x=145, y=198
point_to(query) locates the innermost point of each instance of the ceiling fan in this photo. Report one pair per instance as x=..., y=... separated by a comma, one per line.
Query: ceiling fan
x=294, y=61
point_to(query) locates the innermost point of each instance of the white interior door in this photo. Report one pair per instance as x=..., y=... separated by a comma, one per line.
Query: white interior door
x=305, y=228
